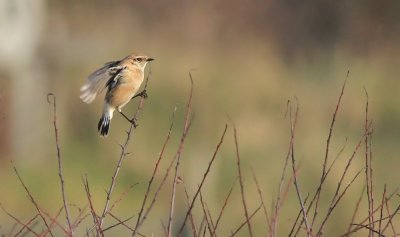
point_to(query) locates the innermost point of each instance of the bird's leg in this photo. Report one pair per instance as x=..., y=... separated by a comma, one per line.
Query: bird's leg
x=143, y=94
x=132, y=121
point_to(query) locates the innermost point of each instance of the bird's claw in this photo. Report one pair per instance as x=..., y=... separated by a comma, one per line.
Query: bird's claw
x=134, y=122
x=143, y=94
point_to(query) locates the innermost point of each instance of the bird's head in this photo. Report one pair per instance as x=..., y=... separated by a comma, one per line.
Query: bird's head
x=139, y=60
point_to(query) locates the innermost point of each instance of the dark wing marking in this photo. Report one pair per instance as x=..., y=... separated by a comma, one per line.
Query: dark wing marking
x=114, y=79
x=98, y=80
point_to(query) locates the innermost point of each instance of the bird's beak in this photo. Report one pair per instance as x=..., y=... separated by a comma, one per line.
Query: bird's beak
x=149, y=59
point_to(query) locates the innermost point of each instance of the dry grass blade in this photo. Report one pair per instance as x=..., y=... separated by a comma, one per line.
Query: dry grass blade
x=60, y=173
x=202, y=181
x=241, y=182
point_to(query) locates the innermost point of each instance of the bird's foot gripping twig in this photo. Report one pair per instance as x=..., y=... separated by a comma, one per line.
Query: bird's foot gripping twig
x=132, y=121
x=143, y=94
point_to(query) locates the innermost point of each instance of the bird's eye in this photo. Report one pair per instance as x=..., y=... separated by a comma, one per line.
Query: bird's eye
x=139, y=59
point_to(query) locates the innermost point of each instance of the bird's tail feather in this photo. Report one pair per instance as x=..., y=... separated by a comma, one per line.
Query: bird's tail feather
x=104, y=125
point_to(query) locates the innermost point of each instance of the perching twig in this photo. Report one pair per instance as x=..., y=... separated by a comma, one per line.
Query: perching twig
x=122, y=156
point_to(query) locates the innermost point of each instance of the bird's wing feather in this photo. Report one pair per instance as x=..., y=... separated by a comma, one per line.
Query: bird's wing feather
x=98, y=80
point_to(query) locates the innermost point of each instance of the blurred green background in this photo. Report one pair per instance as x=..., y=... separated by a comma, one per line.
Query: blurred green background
x=250, y=58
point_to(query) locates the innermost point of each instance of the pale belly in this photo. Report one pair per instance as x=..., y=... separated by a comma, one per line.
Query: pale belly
x=121, y=95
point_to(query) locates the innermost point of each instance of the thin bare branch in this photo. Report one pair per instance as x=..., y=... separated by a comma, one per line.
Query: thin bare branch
x=32, y=200
x=60, y=173
x=391, y=218
x=245, y=222
x=19, y=221
x=209, y=222
x=370, y=229
x=367, y=171
x=356, y=209
x=262, y=201
x=154, y=174
x=24, y=226
x=222, y=210
x=178, y=156
x=190, y=216
x=382, y=205
x=241, y=182
x=366, y=219
x=96, y=220
x=299, y=214
x=295, y=182
x=334, y=204
x=202, y=181
x=328, y=142
x=54, y=221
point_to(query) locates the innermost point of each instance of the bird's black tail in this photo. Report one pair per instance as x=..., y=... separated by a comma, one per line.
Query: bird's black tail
x=104, y=125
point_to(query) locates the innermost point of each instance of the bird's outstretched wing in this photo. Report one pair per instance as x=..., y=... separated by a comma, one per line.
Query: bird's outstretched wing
x=98, y=80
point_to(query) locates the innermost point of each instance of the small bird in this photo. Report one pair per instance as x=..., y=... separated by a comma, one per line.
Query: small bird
x=122, y=79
